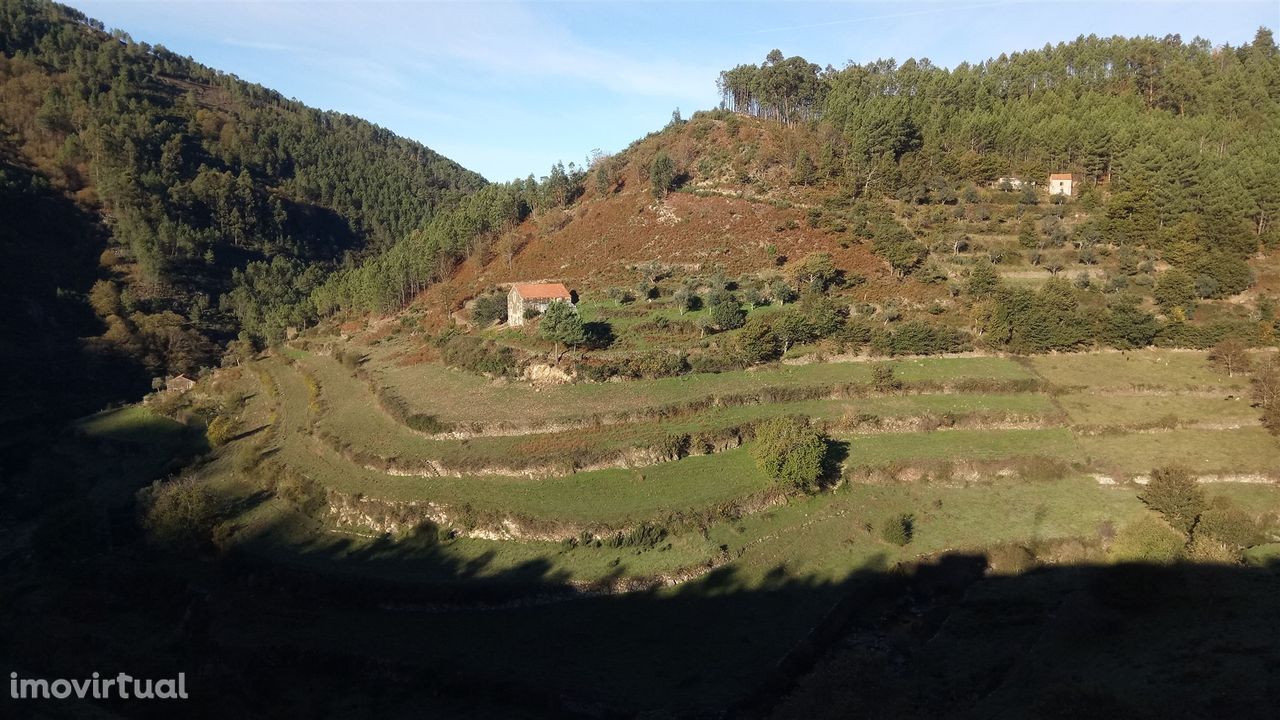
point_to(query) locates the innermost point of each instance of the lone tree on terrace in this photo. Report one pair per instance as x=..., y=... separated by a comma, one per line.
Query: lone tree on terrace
x=561, y=324
x=790, y=449
x=1174, y=493
x=1230, y=356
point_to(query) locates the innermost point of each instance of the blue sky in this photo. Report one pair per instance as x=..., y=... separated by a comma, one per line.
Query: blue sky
x=508, y=88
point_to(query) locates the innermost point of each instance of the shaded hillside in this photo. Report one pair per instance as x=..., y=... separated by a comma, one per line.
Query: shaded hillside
x=177, y=204
x=49, y=372
x=197, y=174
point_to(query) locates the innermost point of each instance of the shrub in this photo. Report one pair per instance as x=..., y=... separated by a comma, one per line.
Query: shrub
x=1148, y=540
x=180, y=513
x=655, y=364
x=883, y=378
x=790, y=449
x=220, y=431
x=781, y=292
x=899, y=529
x=757, y=342
x=1204, y=549
x=348, y=360
x=489, y=309
x=1227, y=523
x=921, y=338
x=725, y=311
x=1010, y=559
x=1174, y=493
x=478, y=355
x=429, y=424
x=662, y=174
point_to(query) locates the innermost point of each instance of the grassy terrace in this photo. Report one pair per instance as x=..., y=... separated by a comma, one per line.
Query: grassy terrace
x=1173, y=370
x=629, y=495
x=457, y=396
x=1247, y=450
x=820, y=538
x=873, y=450
x=352, y=414
x=1090, y=410
x=604, y=496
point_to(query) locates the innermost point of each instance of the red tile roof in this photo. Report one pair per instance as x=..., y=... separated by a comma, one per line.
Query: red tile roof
x=543, y=291
x=1060, y=176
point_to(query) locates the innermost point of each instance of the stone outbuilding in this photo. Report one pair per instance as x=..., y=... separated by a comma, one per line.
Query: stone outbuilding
x=534, y=296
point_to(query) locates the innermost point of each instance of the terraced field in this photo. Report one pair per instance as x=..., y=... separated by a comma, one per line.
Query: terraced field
x=556, y=490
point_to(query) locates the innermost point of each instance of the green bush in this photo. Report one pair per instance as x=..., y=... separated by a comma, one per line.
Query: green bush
x=180, y=513
x=725, y=311
x=921, y=338
x=427, y=424
x=489, y=309
x=790, y=449
x=1225, y=522
x=1174, y=493
x=899, y=529
x=883, y=378
x=1148, y=540
x=478, y=355
x=220, y=431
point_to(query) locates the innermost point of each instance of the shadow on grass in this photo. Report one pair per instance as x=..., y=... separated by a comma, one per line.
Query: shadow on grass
x=937, y=638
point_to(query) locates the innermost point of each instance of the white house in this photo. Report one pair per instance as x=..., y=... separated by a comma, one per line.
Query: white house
x=1061, y=184
x=1012, y=183
x=534, y=296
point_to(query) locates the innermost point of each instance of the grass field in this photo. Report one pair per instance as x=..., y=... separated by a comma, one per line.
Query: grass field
x=1174, y=370
x=1095, y=410
x=1247, y=450
x=873, y=450
x=458, y=396
x=787, y=562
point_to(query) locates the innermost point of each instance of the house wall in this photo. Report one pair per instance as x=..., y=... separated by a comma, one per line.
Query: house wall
x=1059, y=187
x=517, y=305
x=515, y=308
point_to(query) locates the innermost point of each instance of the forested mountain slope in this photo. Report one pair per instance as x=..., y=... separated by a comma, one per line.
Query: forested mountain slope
x=892, y=170
x=178, y=201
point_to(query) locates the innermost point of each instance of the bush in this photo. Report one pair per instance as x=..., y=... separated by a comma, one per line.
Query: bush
x=429, y=424
x=899, y=529
x=921, y=338
x=790, y=449
x=757, y=342
x=478, y=355
x=725, y=311
x=1204, y=549
x=489, y=309
x=348, y=360
x=1174, y=493
x=1226, y=523
x=180, y=513
x=220, y=431
x=883, y=379
x=662, y=174
x=1148, y=540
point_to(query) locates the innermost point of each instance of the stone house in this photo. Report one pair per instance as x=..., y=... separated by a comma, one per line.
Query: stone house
x=179, y=383
x=1061, y=184
x=534, y=296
